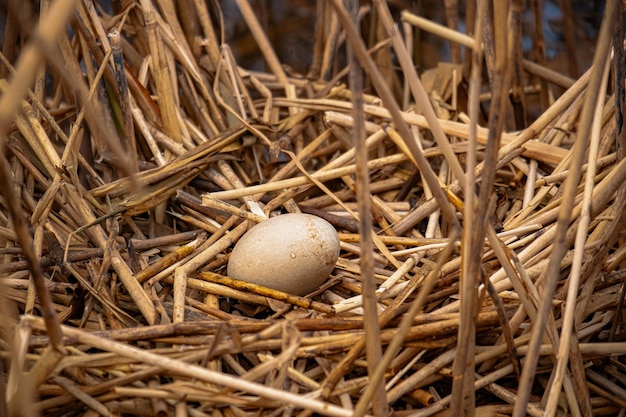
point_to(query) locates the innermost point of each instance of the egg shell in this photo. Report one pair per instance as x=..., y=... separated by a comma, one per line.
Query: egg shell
x=293, y=253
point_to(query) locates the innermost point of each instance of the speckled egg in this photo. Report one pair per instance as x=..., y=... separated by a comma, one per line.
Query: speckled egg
x=293, y=253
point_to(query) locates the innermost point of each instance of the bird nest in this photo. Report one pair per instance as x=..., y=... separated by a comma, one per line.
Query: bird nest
x=482, y=256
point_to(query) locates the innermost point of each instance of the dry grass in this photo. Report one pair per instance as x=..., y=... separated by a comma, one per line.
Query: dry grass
x=482, y=262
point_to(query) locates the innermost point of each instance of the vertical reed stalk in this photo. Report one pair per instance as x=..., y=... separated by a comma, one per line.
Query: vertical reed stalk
x=552, y=273
x=372, y=331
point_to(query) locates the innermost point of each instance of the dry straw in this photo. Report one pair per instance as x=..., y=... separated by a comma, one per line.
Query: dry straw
x=480, y=206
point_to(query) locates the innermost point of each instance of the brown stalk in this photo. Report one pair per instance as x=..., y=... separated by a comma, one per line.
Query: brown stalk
x=102, y=128
x=264, y=46
x=211, y=43
x=195, y=371
x=92, y=403
x=531, y=131
x=389, y=100
x=372, y=331
x=574, y=279
x=124, y=97
x=322, y=176
x=462, y=391
x=403, y=330
x=553, y=270
x=267, y=292
x=9, y=103
x=452, y=19
x=518, y=98
x=124, y=277
x=419, y=93
x=165, y=90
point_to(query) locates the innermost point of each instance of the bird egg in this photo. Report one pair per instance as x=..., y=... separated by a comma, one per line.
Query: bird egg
x=293, y=253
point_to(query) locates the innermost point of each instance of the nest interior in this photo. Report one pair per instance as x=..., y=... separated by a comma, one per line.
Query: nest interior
x=479, y=202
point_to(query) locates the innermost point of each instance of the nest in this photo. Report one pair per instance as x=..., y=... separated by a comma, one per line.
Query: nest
x=482, y=254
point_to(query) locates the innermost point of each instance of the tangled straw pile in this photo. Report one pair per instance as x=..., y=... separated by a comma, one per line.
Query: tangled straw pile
x=493, y=282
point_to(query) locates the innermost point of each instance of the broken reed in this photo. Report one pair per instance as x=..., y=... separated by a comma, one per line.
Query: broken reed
x=134, y=265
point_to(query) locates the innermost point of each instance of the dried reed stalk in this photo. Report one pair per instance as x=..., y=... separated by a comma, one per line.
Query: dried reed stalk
x=567, y=206
x=440, y=291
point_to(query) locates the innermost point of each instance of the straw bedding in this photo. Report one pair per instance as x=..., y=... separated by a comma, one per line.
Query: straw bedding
x=482, y=249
